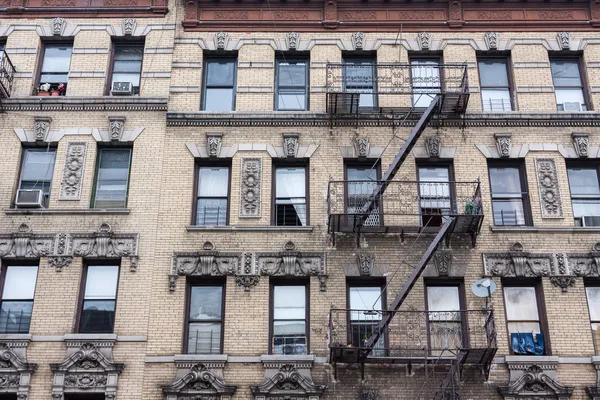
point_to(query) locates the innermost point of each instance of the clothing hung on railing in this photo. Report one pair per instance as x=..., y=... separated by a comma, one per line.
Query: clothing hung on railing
x=525, y=343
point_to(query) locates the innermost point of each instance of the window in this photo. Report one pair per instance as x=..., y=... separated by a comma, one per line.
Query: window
x=593, y=299
x=360, y=76
x=523, y=320
x=219, y=84
x=292, y=84
x=55, y=65
x=99, y=299
x=495, y=84
x=205, y=319
x=366, y=304
x=510, y=200
x=290, y=196
x=361, y=182
x=426, y=80
x=568, y=85
x=434, y=194
x=127, y=64
x=212, y=201
x=16, y=304
x=444, y=317
x=585, y=195
x=112, y=178
x=37, y=170
x=290, y=319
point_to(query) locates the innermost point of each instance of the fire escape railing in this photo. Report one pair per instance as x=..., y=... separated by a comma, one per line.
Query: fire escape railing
x=7, y=75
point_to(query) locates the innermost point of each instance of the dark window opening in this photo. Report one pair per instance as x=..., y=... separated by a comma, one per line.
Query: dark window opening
x=16, y=304
x=435, y=194
x=205, y=319
x=112, y=178
x=510, y=199
x=494, y=81
x=212, y=197
x=584, y=184
x=568, y=84
x=99, y=299
x=361, y=182
x=290, y=196
x=360, y=76
x=127, y=67
x=289, y=319
x=219, y=84
x=36, y=172
x=54, y=72
x=292, y=83
x=525, y=326
x=366, y=303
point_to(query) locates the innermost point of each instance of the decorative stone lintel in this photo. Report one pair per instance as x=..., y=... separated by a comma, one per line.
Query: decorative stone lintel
x=581, y=143
x=491, y=39
x=116, y=127
x=292, y=40
x=518, y=263
x=290, y=262
x=290, y=144
x=358, y=40
x=433, y=145
x=129, y=25
x=288, y=376
x=424, y=40
x=365, y=262
x=41, y=128
x=562, y=281
x=361, y=147
x=221, y=39
x=503, y=143
x=564, y=40
x=213, y=144
x=533, y=378
x=15, y=371
x=202, y=379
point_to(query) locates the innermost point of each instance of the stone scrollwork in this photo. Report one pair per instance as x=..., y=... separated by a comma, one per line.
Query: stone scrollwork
x=365, y=262
x=104, y=243
x=503, y=143
x=292, y=39
x=25, y=244
x=287, y=380
x=129, y=26
x=213, y=144
x=116, y=127
x=491, y=39
x=221, y=39
x=424, y=40
x=88, y=368
x=358, y=40
x=433, y=146
x=290, y=144
x=562, y=281
x=290, y=262
x=250, y=188
x=443, y=262
x=564, y=40
x=199, y=381
x=361, y=147
x=550, y=200
x=41, y=127
x=247, y=281
x=15, y=371
x=581, y=144
x=534, y=383
x=518, y=263
x=70, y=187
x=58, y=26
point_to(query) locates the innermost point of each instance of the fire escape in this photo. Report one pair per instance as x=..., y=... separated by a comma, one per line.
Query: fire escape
x=443, y=342
x=7, y=75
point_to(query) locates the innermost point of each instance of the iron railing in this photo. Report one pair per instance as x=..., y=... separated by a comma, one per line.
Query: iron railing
x=412, y=334
x=7, y=75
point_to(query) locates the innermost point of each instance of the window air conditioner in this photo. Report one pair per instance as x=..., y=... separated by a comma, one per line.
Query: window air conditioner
x=590, y=220
x=122, y=89
x=30, y=198
x=572, y=106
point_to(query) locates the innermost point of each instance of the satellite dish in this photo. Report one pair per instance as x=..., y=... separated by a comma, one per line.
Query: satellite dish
x=484, y=287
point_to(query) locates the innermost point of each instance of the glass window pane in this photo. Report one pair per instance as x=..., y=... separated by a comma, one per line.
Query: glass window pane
x=425, y=74
x=206, y=302
x=290, y=182
x=569, y=96
x=113, y=177
x=289, y=337
x=583, y=181
x=365, y=298
x=38, y=165
x=128, y=66
x=361, y=174
x=596, y=336
x=289, y=100
x=15, y=316
x=290, y=213
x=220, y=72
x=493, y=73
x=292, y=73
x=57, y=58
x=19, y=283
x=54, y=78
x=521, y=304
x=443, y=298
x=436, y=185
x=508, y=212
x=101, y=282
x=565, y=73
x=586, y=208
x=129, y=53
x=97, y=316
x=496, y=100
x=204, y=338
x=289, y=302
x=213, y=182
x=360, y=76
x=593, y=298
x=211, y=212
x=505, y=181
x=218, y=100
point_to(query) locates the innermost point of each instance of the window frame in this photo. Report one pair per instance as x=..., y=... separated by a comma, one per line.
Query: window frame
x=111, y=67
x=291, y=58
x=368, y=163
x=438, y=163
x=42, y=55
x=285, y=281
x=578, y=164
x=99, y=151
x=199, y=281
x=525, y=193
x=24, y=150
x=541, y=308
x=361, y=282
x=350, y=58
x=578, y=58
x=304, y=163
x=592, y=283
x=209, y=164
x=417, y=56
x=509, y=76
x=109, y=262
x=4, y=265
x=450, y=282
x=208, y=58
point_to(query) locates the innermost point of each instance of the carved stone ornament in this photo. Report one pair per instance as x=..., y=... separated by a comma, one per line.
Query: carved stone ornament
x=369, y=394
x=221, y=39
x=25, y=244
x=518, y=263
x=491, y=40
x=250, y=187
x=433, y=146
x=287, y=381
x=564, y=40
x=290, y=262
x=358, y=40
x=292, y=39
x=550, y=200
x=87, y=369
x=586, y=265
x=247, y=281
x=15, y=371
x=41, y=128
x=199, y=381
x=58, y=26
x=581, y=144
x=535, y=383
x=503, y=144
x=70, y=186
x=104, y=243
x=442, y=260
x=365, y=263
x=424, y=40
x=116, y=128
x=291, y=143
x=563, y=282
x=129, y=26
x=361, y=147
x=213, y=144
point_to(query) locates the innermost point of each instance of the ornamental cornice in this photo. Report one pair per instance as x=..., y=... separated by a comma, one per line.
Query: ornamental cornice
x=91, y=103
x=199, y=381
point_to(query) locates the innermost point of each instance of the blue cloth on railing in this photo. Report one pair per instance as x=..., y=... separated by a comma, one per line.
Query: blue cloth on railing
x=524, y=343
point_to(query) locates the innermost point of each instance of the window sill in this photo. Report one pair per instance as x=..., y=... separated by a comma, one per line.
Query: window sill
x=16, y=336
x=549, y=229
x=278, y=358
x=249, y=228
x=91, y=336
x=200, y=358
x=63, y=211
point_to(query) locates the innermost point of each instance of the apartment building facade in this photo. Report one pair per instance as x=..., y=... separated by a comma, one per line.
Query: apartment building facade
x=299, y=200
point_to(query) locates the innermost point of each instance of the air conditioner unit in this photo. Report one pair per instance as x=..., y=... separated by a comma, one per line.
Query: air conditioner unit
x=572, y=106
x=590, y=220
x=122, y=89
x=27, y=198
